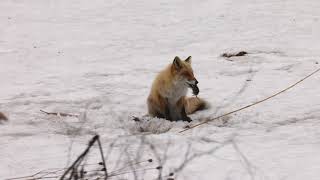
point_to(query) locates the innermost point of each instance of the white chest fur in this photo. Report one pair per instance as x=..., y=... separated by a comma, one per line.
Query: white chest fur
x=178, y=90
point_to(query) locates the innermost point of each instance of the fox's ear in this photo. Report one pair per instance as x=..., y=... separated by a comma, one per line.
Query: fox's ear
x=188, y=60
x=177, y=62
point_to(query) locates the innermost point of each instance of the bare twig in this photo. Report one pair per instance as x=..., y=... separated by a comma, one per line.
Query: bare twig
x=103, y=160
x=228, y=55
x=130, y=164
x=60, y=114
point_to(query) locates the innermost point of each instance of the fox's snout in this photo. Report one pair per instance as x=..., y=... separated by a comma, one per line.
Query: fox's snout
x=193, y=82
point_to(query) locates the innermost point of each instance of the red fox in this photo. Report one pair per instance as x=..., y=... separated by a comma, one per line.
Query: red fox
x=167, y=98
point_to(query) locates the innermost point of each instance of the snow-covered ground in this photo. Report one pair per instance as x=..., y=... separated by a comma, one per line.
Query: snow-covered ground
x=98, y=59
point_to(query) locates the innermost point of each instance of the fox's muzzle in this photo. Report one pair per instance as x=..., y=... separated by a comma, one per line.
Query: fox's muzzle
x=193, y=85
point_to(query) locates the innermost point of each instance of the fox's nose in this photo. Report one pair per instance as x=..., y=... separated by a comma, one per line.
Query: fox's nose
x=196, y=81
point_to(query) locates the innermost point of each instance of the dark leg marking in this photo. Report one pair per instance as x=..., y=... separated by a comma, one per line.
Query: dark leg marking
x=167, y=111
x=184, y=115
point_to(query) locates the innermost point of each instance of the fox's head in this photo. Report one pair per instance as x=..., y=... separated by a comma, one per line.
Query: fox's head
x=183, y=72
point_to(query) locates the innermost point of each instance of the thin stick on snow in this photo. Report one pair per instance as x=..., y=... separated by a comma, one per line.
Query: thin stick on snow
x=250, y=105
x=59, y=114
x=103, y=160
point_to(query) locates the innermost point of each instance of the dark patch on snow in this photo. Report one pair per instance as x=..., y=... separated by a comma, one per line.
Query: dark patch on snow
x=228, y=55
x=3, y=117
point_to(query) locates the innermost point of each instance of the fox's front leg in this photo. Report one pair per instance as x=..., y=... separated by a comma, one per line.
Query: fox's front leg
x=184, y=115
x=167, y=110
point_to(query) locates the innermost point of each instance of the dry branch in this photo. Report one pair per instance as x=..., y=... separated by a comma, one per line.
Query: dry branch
x=228, y=55
x=60, y=114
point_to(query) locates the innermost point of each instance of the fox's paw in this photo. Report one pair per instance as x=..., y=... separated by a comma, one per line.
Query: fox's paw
x=187, y=119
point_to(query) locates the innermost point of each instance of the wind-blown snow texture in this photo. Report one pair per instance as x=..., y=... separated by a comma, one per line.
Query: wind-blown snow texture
x=98, y=59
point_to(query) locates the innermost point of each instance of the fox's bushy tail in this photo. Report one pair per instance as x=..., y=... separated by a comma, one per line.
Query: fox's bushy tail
x=194, y=104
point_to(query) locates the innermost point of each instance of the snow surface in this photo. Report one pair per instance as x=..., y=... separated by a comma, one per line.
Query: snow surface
x=98, y=59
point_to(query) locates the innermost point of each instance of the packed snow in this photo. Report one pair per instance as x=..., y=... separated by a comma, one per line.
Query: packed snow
x=97, y=59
